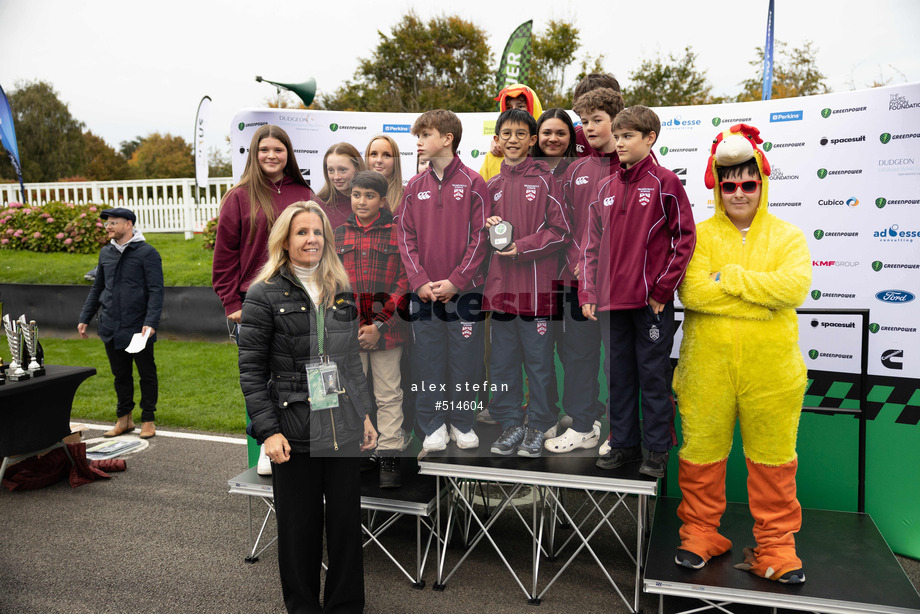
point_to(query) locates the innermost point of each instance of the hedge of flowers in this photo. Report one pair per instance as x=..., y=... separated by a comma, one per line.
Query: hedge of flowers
x=210, y=234
x=52, y=227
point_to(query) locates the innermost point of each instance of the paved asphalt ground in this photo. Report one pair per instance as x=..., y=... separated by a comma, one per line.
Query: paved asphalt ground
x=166, y=536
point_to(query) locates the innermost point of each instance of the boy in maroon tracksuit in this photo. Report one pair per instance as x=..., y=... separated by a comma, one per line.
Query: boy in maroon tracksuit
x=579, y=345
x=638, y=242
x=366, y=244
x=519, y=286
x=443, y=243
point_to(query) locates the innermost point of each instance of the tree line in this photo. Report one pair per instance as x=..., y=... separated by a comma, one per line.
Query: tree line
x=444, y=62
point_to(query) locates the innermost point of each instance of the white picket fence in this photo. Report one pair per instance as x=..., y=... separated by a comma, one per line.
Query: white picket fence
x=161, y=205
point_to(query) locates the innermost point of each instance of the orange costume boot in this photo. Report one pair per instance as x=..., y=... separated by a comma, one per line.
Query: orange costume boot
x=701, y=509
x=777, y=518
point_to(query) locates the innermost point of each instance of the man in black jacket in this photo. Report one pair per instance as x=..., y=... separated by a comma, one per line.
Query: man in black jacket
x=129, y=289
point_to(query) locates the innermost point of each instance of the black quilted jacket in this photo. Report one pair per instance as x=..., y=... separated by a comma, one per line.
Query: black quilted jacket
x=277, y=339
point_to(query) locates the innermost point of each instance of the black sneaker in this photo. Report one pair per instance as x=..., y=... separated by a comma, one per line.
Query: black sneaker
x=655, y=465
x=796, y=576
x=685, y=558
x=617, y=457
x=532, y=444
x=369, y=462
x=389, y=472
x=509, y=441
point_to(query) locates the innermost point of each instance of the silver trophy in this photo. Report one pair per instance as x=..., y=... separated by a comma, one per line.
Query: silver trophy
x=30, y=336
x=14, y=339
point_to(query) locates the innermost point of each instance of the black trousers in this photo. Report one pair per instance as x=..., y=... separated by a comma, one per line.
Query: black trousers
x=121, y=363
x=299, y=487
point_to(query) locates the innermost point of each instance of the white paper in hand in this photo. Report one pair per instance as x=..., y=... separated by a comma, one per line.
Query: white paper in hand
x=138, y=341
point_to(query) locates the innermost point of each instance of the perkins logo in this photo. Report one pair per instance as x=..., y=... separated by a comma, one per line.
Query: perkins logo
x=892, y=359
x=396, y=128
x=424, y=195
x=895, y=296
x=581, y=180
x=788, y=116
x=894, y=234
x=609, y=201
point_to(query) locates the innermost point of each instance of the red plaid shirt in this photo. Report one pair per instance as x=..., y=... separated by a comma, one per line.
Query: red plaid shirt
x=371, y=258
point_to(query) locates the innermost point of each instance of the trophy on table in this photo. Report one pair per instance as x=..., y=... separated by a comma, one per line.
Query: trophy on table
x=14, y=340
x=30, y=337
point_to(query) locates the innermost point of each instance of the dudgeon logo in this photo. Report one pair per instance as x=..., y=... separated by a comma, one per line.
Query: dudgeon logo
x=825, y=113
x=812, y=354
x=822, y=173
x=333, y=127
x=877, y=266
x=819, y=234
x=816, y=294
x=873, y=328
x=885, y=138
x=895, y=296
x=663, y=150
x=880, y=202
x=716, y=121
x=767, y=146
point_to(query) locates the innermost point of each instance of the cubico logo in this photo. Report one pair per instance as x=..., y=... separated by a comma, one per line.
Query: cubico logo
x=424, y=195
x=892, y=359
x=895, y=296
x=885, y=138
x=609, y=201
x=581, y=180
x=852, y=201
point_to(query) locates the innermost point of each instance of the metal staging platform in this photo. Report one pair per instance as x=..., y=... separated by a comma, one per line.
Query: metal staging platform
x=382, y=507
x=549, y=476
x=849, y=568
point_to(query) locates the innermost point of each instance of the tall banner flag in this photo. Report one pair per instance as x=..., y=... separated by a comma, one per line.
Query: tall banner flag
x=767, y=87
x=515, y=62
x=201, y=153
x=8, y=138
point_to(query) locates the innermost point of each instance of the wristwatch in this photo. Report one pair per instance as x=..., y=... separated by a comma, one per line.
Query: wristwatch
x=379, y=325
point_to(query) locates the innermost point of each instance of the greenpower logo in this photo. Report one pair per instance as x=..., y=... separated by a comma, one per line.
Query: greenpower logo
x=716, y=121
x=767, y=146
x=822, y=173
x=333, y=127
x=873, y=328
x=880, y=203
x=885, y=138
x=819, y=234
x=664, y=151
x=242, y=125
x=825, y=113
x=812, y=354
x=877, y=266
x=475, y=153
x=816, y=294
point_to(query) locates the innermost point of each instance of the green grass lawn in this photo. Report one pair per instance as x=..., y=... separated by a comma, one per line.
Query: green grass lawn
x=199, y=383
x=185, y=263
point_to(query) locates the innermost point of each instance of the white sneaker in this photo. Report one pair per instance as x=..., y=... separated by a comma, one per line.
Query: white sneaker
x=264, y=466
x=604, y=449
x=464, y=441
x=437, y=440
x=551, y=431
x=571, y=440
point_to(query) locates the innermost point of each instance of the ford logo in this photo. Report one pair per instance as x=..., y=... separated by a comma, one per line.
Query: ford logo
x=894, y=296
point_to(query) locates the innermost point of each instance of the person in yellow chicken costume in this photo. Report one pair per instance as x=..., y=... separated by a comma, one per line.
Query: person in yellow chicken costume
x=740, y=359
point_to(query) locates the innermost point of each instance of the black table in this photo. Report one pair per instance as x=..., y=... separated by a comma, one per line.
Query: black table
x=35, y=414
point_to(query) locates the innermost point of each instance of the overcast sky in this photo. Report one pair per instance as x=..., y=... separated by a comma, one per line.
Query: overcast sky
x=131, y=68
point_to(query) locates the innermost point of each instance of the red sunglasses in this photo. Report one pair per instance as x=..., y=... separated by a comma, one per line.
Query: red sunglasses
x=748, y=187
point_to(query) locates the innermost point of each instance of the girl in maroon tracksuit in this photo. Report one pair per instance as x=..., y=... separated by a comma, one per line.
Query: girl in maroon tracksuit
x=340, y=165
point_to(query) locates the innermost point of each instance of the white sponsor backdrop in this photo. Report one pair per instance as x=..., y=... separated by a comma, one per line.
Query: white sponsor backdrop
x=846, y=170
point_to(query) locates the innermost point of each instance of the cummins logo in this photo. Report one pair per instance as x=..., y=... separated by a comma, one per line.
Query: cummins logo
x=892, y=359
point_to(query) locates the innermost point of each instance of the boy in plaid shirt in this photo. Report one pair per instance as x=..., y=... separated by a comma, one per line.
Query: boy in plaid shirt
x=366, y=244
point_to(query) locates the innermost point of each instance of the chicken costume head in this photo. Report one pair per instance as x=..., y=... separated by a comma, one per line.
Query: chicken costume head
x=736, y=145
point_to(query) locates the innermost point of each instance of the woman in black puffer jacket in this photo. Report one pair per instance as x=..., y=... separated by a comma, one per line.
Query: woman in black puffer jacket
x=315, y=452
